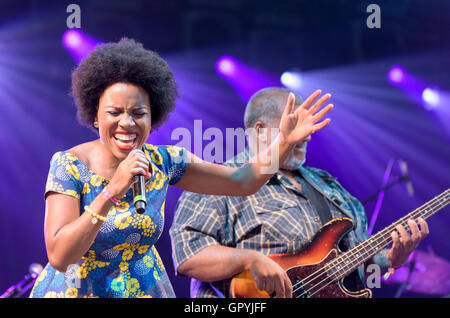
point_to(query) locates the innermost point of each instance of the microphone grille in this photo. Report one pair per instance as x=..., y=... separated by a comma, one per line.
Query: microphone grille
x=35, y=269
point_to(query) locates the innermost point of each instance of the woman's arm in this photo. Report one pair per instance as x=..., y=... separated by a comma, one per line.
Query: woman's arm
x=210, y=178
x=69, y=235
x=295, y=126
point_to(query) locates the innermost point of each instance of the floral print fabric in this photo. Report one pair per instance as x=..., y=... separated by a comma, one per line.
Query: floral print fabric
x=122, y=261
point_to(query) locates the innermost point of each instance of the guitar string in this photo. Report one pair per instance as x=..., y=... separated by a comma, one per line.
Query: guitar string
x=379, y=243
x=327, y=277
x=342, y=256
x=366, y=242
x=335, y=278
x=338, y=275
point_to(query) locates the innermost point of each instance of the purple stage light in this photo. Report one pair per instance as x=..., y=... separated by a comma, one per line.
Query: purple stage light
x=291, y=80
x=78, y=43
x=396, y=74
x=72, y=39
x=413, y=86
x=226, y=65
x=430, y=96
x=245, y=79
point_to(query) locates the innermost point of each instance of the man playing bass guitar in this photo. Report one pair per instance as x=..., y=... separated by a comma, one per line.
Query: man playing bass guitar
x=214, y=238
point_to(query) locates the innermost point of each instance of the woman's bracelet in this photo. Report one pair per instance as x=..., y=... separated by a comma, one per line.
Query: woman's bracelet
x=95, y=216
x=110, y=197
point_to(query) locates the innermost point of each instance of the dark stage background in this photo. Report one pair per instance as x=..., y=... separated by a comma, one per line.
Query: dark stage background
x=379, y=115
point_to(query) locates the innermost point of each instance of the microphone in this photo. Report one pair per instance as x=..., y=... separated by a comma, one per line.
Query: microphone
x=17, y=290
x=139, y=199
x=404, y=169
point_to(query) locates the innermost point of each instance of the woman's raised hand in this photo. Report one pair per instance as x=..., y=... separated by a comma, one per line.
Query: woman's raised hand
x=297, y=125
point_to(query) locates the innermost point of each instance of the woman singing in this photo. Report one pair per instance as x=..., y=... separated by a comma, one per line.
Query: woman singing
x=97, y=244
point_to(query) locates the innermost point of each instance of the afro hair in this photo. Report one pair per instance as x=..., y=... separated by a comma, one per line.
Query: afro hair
x=125, y=61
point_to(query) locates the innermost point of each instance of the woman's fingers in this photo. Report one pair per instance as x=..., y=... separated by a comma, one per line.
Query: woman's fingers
x=314, y=108
x=289, y=105
x=320, y=125
x=308, y=102
x=322, y=113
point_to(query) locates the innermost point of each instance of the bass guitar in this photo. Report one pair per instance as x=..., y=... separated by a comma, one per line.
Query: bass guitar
x=319, y=269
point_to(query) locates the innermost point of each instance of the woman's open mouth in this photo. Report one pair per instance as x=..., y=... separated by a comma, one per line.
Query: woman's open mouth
x=125, y=141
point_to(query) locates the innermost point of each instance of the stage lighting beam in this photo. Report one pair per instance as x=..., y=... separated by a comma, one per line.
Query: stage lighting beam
x=291, y=80
x=431, y=97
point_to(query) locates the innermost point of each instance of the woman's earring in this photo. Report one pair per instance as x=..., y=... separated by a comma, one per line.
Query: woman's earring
x=96, y=124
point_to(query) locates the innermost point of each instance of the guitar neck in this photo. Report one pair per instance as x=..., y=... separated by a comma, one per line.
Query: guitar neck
x=350, y=260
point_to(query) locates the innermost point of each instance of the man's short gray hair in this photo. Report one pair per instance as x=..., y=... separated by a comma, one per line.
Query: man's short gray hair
x=266, y=105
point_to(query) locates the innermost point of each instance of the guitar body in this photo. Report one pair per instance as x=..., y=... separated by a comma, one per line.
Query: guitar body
x=319, y=270
x=322, y=249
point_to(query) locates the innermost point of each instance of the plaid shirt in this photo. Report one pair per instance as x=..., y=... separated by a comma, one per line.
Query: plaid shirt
x=276, y=219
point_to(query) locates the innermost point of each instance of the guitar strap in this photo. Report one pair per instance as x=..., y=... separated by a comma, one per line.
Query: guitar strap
x=327, y=193
x=353, y=280
x=317, y=200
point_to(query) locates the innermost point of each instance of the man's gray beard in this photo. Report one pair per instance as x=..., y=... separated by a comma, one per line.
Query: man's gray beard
x=293, y=163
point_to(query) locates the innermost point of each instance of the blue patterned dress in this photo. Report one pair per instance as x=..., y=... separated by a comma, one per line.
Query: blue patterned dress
x=122, y=261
